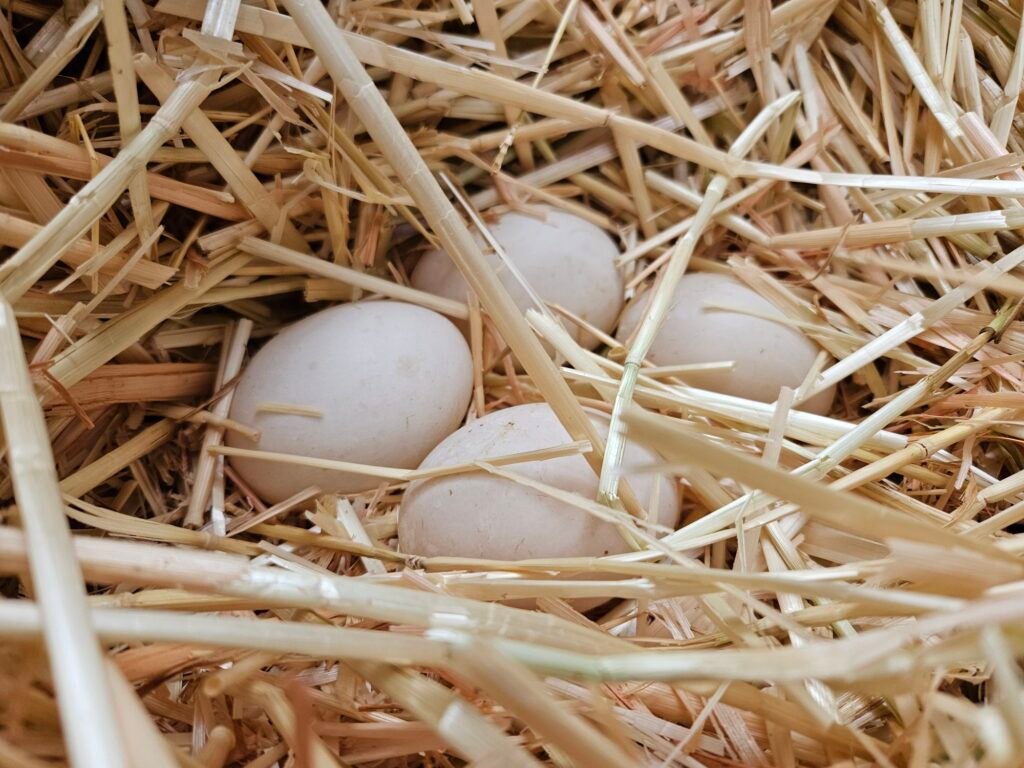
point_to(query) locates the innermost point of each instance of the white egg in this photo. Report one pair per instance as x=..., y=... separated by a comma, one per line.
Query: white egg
x=380, y=382
x=480, y=515
x=566, y=260
x=768, y=355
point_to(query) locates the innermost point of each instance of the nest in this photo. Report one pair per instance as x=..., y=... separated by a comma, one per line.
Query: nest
x=179, y=180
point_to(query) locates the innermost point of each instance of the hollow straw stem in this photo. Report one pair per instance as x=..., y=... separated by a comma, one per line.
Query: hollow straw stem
x=126, y=94
x=16, y=232
x=144, y=742
x=935, y=185
x=202, y=485
x=367, y=103
x=665, y=293
x=900, y=230
x=807, y=427
x=1006, y=488
x=119, y=625
x=142, y=444
x=1002, y=119
x=74, y=652
x=397, y=474
x=118, y=561
x=108, y=561
x=470, y=82
x=567, y=15
x=657, y=134
x=876, y=656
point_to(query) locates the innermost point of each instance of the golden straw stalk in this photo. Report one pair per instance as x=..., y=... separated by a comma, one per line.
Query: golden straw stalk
x=75, y=654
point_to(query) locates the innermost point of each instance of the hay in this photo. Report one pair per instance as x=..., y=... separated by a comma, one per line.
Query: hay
x=179, y=179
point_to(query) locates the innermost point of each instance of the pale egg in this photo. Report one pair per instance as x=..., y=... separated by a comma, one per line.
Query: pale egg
x=566, y=260
x=767, y=354
x=480, y=515
x=374, y=382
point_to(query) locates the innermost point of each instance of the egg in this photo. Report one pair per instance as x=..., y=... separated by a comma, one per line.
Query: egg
x=481, y=515
x=768, y=355
x=566, y=260
x=373, y=382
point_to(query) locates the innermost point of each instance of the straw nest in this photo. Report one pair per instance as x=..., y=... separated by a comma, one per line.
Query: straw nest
x=179, y=179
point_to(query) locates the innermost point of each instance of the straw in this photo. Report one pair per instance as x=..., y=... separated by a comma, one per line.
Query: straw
x=235, y=345
x=839, y=588
x=119, y=47
x=74, y=652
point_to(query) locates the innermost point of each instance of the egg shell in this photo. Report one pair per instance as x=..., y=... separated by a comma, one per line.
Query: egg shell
x=480, y=515
x=391, y=381
x=566, y=260
x=768, y=355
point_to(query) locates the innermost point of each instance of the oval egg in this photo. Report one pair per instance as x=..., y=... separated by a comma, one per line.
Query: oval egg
x=373, y=382
x=566, y=260
x=768, y=355
x=480, y=515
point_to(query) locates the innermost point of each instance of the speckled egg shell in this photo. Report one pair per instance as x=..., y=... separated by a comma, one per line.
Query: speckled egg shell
x=484, y=516
x=768, y=355
x=390, y=380
x=565, y=259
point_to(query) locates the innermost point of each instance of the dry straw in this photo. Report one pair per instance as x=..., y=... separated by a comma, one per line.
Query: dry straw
x=78, y=667
x=179, y=179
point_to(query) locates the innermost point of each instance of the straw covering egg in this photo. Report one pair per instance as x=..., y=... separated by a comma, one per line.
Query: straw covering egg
x=768, y=355
x=481, y=515
x=566, y=260
x=376, y=382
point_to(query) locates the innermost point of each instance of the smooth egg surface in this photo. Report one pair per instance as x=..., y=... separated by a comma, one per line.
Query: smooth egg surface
x=378, y=382
x=480, y=515
x=566, y=260
x=768, y=355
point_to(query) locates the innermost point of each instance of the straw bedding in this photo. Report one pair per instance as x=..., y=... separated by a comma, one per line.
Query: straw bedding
x=180, y=179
